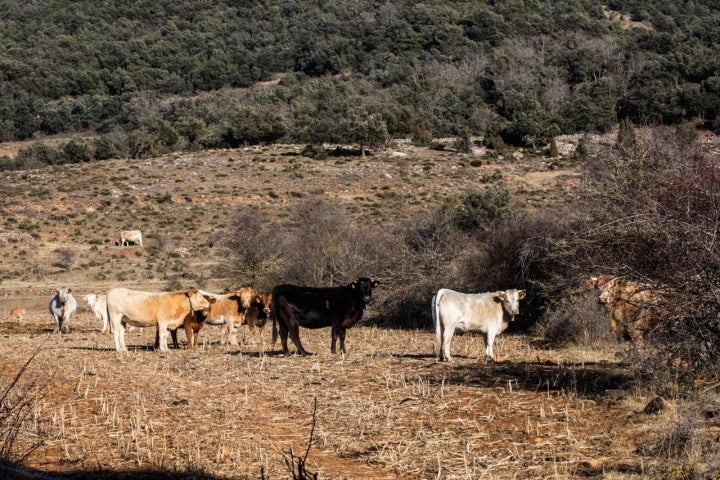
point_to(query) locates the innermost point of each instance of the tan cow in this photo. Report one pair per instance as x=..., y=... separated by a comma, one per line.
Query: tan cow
x=166, y=310
x=229, y=311
x=16, y=314
x=634, y=307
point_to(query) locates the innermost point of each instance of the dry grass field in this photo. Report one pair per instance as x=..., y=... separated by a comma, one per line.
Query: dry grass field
x=387, y=410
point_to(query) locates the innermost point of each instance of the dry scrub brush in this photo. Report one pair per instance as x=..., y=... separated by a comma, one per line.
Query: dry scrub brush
x=656, y=218
x=18, y=400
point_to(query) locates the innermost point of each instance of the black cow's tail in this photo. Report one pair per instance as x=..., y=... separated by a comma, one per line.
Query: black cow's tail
x=273, y=313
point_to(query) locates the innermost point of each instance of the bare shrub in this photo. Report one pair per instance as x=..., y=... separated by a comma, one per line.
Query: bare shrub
x=253, y=246
x=422, y=255
x=323, y=247
x=688, y=443
x=66, y=258
x=577, y=320
x=518, y=252
x=654, y=218
x=17, y=404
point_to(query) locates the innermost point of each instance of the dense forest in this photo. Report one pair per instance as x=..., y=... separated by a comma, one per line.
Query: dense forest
x=150, y=76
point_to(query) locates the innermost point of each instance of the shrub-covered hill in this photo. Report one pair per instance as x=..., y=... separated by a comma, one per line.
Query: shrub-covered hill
x=156, y=76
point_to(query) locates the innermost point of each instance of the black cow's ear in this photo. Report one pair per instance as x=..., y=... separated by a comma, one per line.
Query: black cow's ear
x=353, y=285
x=375, y=283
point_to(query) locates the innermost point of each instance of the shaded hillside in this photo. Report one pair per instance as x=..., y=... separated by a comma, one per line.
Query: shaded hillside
x=154, y=77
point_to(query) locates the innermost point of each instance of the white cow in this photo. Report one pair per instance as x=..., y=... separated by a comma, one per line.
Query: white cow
x=98, y=305
x=489, y=313
x=166, y=310
x=62, y=306
x=130, y=237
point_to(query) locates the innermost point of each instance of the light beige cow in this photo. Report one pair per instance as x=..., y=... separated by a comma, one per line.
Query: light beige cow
x=131, y=237
x=490, y=313
x=165, y=310
x=16, y=314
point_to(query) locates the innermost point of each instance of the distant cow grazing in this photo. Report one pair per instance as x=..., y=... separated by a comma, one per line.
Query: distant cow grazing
x=130, y=237
x=16, y=314
x=633, y=307
x=166, y=310
x=229, y=311
x=309, y=307
x=98, y=305
x=490, y=313
x=62, y=306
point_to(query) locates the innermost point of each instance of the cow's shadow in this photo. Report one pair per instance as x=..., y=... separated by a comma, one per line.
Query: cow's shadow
x=581, y=379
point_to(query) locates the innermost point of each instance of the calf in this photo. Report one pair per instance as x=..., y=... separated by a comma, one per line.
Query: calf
x=310, y=307
x=229, y=311
x=16, y=314
x=192, y=323
x=98, y=305
x=490, y=313
x=257, y=315
x=62, y=306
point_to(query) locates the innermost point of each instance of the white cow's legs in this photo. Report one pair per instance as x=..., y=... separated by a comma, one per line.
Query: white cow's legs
x=447, y=335
x=489, y=340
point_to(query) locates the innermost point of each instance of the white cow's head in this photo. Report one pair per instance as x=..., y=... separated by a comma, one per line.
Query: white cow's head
x=90, y=299
x=63, y=294
x=511, y=300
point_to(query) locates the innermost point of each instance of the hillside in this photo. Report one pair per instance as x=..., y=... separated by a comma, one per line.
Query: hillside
x=150, y=78
x=182, y=201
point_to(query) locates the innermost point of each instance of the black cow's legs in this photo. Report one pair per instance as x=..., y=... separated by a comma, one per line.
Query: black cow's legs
x=294, y=332
x=338, y=332
x=334, y=335
x=341, y=333
x=283, y=339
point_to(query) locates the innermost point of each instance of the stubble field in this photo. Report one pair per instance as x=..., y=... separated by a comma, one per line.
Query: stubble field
x=387, y=410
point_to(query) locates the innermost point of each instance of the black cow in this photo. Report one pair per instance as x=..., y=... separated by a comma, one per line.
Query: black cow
x=309, y=307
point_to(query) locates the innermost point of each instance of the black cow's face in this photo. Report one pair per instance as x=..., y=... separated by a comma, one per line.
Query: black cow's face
x=365, y=286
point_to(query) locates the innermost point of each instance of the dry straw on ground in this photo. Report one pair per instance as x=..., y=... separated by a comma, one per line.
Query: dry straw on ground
x=386, y=410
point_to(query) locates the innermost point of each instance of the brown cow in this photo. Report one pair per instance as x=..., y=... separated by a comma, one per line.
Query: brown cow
x=16, y=314
x=634, y=307
x=166, y=310
x=258, y=314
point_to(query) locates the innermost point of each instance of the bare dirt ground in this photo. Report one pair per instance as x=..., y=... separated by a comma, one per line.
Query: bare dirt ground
x=387, y=410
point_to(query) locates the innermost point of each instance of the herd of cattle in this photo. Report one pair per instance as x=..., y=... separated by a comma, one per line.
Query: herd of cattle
x=632, y=307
